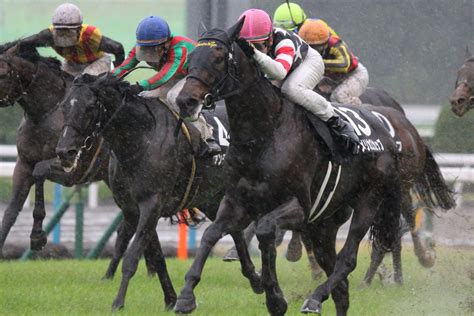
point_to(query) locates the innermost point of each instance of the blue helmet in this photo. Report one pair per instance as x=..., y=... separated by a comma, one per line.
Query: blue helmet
x=152, y=31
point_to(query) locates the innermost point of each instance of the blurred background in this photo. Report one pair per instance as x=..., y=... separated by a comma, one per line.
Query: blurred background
x=412, y=49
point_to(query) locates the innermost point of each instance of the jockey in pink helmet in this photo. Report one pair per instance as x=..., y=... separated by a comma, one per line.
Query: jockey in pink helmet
x=284, y=56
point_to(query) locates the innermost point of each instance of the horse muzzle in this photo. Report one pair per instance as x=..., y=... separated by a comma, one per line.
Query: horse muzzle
x=189, y=108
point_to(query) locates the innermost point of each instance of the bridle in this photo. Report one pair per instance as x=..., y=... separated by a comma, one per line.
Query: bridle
x=216, y=90
x=14, y=77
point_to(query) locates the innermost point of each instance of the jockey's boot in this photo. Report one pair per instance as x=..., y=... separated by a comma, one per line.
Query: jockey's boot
x=209, y=148
x=346, y=132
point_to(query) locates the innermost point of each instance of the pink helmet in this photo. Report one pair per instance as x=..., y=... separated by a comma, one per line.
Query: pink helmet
x=257, y=25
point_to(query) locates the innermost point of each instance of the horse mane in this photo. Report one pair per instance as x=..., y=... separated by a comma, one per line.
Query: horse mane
x=31, y=54
x=470, y=59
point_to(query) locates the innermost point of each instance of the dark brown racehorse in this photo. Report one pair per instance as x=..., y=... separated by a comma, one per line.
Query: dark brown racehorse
x=276, y=165
x=152, y=172
x=462, y=99
x=38, y=85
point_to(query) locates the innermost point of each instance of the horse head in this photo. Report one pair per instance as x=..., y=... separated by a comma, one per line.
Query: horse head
x=462, y=99
x=87, y=106
x=13, y=80
x=215, y=69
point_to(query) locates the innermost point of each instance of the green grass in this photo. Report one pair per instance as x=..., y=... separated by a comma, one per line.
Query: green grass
x=75, y=288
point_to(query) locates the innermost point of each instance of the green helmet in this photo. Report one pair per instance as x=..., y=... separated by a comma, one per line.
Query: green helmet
x=289, y=16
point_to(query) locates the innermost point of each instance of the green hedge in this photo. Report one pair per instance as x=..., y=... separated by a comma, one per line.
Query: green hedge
x=454, y=134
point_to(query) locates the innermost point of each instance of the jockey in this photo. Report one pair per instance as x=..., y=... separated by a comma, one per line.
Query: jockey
x=83, y=47
x=290, y=16
x=284, y=56
x=340, y=63
x=168, y=55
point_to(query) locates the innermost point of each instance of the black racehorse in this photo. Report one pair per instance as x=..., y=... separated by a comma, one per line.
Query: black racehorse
x=462, y=98
x=152, y=172
x=282, y=174
x=38, y=85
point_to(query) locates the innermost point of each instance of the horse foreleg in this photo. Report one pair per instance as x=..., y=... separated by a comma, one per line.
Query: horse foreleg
x=157, y=259
x=287, y=216
x=249, y=233
x=38, y=237
x=146, y=226
x=125, y=233
x=248, y=268
x=230, y=218
x=22, y=182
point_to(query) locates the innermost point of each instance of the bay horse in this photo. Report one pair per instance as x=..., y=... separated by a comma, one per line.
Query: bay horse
x=279, y=170
x=462, y=98
x=37, y=84
x=276, y=165
x=151, y=172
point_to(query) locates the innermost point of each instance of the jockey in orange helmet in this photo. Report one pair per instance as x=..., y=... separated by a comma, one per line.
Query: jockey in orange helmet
x=340, y=63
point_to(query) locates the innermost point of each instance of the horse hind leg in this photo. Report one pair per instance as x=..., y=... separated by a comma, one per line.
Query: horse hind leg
x=289, y=215
x=249, y=233
x=376, y=259
x=146, y=226
x=323, y=242
x=22, y=182
x=154, y=254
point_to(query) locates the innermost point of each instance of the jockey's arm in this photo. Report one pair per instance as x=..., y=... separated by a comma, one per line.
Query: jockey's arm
x=127, y=65
x=279, y=67
x=340, y=61
x=41, y=39
x=108, y=45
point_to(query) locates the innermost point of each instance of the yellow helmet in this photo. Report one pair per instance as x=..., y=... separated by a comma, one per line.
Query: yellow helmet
x=289, y=16
x=314, y=32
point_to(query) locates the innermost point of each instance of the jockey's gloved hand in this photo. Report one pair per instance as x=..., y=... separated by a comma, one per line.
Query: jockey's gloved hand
x=246, y=47
x=135, y=89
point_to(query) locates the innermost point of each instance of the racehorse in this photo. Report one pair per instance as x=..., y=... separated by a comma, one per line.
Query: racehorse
x=276, y=166
x=462, y=98
x=38, y=85
x=152, y=172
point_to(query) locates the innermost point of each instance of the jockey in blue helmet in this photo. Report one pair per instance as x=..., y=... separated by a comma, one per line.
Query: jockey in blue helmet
x=168, y=55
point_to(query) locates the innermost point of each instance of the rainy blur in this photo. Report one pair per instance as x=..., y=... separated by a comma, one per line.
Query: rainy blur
x=117, y=153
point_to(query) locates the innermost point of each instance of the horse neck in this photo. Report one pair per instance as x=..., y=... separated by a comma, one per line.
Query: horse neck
x=254, y=114
x=43, y=91
x=126, y=133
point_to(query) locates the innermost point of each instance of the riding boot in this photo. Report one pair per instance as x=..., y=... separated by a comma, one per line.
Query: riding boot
x=345, y=131
x=209, y=148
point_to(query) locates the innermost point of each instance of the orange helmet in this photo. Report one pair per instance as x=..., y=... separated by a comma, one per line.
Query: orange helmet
x=314, y=32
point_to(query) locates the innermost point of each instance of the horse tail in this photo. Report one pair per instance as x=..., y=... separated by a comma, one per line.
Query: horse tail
x=386, y=229
x=432, y=188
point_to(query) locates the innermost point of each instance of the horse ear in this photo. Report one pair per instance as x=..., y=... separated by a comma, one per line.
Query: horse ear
x=202, y=29
x=12, y=51
x=234, y=31
x=468, y=53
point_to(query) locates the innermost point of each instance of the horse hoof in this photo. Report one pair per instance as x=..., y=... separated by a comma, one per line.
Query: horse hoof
x=170, y=303
x=117, y=306
x=107, y=277
x=185, y=305
x=294, y=252
x=311, y=306
x=256, y=284
x=231, y=255
x=37, y=243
